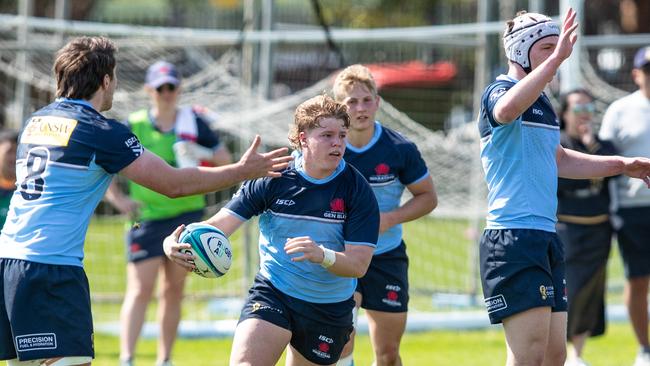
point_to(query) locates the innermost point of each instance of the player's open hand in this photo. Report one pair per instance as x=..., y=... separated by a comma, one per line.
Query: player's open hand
x=568, y=35
x=305, y=245
x=638, y=168
x=175, y=251
x=257, y=165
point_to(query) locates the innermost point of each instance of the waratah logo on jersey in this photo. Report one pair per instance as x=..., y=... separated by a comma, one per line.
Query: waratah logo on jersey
x=382, y=174
x=337, y=209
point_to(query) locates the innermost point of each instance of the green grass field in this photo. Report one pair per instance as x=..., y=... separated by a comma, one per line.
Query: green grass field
x=441, y=258
x=439, y=348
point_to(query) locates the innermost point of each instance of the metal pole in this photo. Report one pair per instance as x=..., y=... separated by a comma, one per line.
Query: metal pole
x=248, y=48
x=570, y=73
x=248, y=71
x=483, y=69
x=266, y=53
x=22, y=93
x=536, y=6
x=61, y=12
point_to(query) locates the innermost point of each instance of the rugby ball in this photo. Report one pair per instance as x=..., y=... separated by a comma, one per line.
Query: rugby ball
x=210, y=247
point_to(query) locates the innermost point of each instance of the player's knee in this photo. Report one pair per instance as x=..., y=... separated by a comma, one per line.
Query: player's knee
x=140, y=291
x=388, y=354
x=534, y=355
x=555, y=356
x=172, y=294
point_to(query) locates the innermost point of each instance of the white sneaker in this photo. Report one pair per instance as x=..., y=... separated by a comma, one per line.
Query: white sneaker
x=642, y=359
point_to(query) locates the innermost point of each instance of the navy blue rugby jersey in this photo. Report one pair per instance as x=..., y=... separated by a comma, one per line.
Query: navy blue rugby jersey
x=389, y=162
x=334, y=211
x=66, y=158
x=519, y=160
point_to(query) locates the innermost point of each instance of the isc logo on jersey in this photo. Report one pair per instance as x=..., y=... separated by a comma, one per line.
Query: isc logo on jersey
x=285, y=202
x=210, y=247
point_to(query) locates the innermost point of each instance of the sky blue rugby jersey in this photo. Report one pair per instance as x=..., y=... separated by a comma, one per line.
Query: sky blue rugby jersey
x=66, y=158
x=389, y=162
x=334, y=211
x=519, y=160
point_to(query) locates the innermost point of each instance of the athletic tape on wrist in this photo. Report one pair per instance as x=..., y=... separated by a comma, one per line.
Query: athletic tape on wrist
x=329, y=257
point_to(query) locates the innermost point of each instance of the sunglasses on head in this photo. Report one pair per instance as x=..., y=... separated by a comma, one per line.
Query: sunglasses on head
x=584, y=108
x=169, y=87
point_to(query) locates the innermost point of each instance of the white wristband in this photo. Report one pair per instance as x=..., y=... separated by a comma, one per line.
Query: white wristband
x=329, y=257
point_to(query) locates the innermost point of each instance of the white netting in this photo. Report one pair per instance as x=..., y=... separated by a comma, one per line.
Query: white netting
x=442, y=246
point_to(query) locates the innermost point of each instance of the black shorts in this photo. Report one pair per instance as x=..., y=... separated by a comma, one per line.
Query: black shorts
x=318, y=331
x=146, y=241
x=634, y=240
x=521, y=269
x=385, y=286
x=44, y=311
x=586, y=250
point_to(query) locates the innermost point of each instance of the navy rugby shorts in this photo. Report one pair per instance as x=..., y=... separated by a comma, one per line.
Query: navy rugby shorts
x=145, y=241
x=44, y=311
x=633, y=240
x=521, y=269
x=385, y=286
x=318, y=331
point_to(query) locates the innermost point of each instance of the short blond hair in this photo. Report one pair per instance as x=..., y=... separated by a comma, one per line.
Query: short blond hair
x=351, y=75
x=310, y=112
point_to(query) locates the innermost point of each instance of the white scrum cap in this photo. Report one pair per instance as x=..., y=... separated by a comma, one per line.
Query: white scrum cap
x=528, y=28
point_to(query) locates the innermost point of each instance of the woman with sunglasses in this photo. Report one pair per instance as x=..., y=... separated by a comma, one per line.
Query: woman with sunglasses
x=583, y=225
x=181, y=136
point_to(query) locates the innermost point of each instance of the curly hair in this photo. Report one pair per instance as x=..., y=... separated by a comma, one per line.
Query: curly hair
x=309, y=113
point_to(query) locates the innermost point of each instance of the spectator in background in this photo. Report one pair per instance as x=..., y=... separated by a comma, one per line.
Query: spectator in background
x=583, y=225
x=181, y=136
x=8, y=142
x=627, y=125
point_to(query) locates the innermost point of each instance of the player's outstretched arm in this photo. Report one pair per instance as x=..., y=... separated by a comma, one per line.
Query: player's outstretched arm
x=576, y=165
x=353, y=262
x=521, y=96
x=152, y=172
